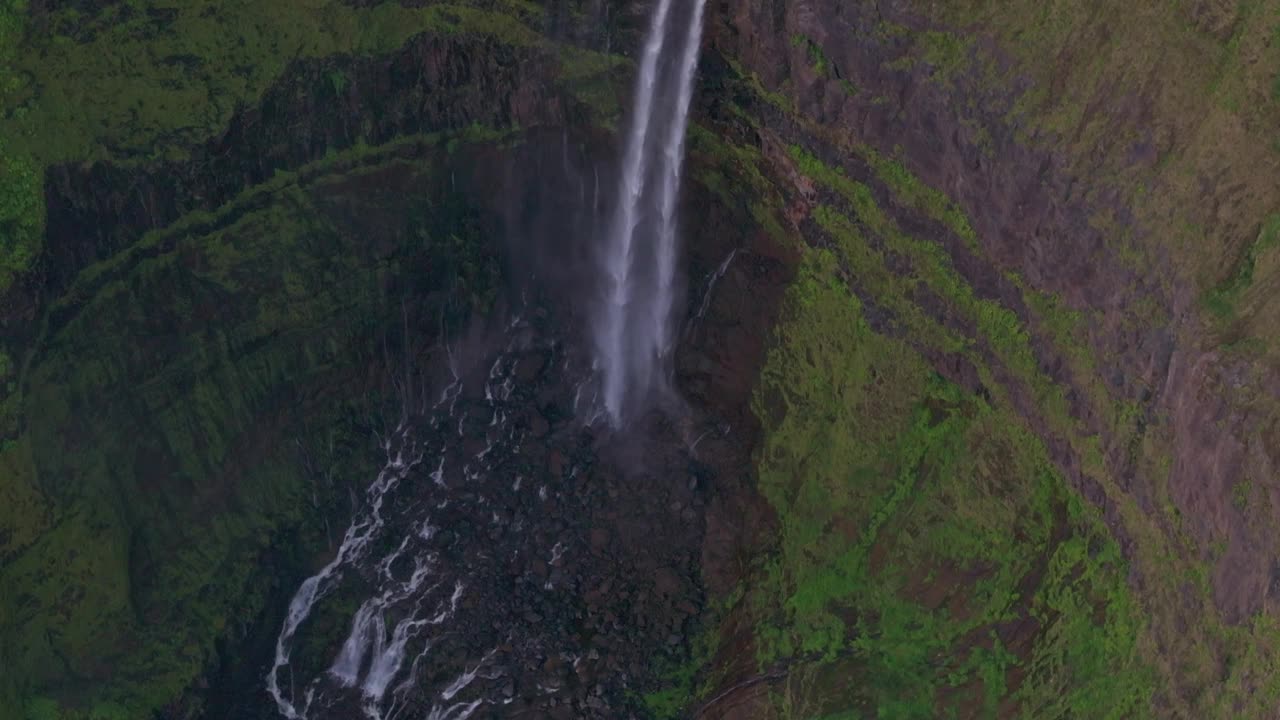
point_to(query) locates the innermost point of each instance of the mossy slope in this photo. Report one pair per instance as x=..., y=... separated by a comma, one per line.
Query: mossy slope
x=183, y=411
x=930, y=555
x=145, y=82
x=1048, y=285
x=931, y=559
x=164, y=467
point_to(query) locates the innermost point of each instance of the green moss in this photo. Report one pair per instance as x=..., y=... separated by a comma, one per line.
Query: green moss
x=1212, y=87
x=478, y=134
x=21, y=212
x=888, y=483
x=1008, y=342
x=41, y=709
x=337, y=81
x=821, y=66
x=915, y=194
x=889, y=290
x=172, y=432
x=13, y=21
x=944, y=51
x=138, y=85
x=890, y=269
x=191, y=67
x=753, y=83
x=1240, y=493
x=151, y=483
x=1222, y=299
x=726, y=167
x=904, y=186
x=998, y=327
x=593, y=78
x=680, y=688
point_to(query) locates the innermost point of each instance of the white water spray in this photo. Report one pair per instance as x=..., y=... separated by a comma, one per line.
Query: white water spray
x=632, y=326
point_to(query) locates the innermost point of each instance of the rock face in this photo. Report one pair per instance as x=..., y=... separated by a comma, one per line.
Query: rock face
x=209, y=344
x=1042, y=284
x=978, y=362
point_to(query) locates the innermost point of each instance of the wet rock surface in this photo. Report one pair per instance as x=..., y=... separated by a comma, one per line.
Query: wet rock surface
x=530, y=561
x=532, y=565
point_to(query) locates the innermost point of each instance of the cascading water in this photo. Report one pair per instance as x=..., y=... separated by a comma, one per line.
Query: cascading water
x=438, y=634
x=633, y=323
x=412, y=647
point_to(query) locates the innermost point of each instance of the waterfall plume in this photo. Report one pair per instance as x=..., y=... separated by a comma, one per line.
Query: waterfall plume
x=632, y=324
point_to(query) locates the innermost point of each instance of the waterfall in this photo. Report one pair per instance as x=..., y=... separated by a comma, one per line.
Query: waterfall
x=633, y=321
x=409, y=634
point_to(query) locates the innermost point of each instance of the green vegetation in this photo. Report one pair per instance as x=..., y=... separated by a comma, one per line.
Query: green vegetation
x=21, y=213
x=892, y=485
x=478, y=134
x=593, y=78
x=1185, y=643
x=1190, y=161
x=1240, y=493
x=931, y=556
x=152, y=479
x=13, y=15
x=1210, y=641
x=998, y=328
x=679, y=678
x=821, y=66
x=191, y=66
x=1215, y=116
x=142, y=81
x=142, y=481
x=21, y=202
x=908, y=189
x=725, y=167
x=1223, y=299
x=944, y=51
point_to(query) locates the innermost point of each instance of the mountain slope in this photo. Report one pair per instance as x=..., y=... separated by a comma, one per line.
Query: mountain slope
x=225, y=213
x=1038, y=207
x=979, y=345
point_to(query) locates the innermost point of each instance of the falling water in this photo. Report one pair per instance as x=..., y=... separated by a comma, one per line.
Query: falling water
x=397, y=630
x=632, y=326
x=404, y=647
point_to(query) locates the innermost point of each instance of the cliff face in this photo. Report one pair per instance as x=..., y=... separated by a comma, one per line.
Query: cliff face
x=204, y=344
x=978, y=348
x=1018, y=409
